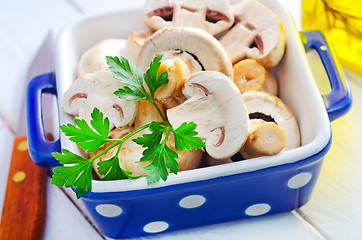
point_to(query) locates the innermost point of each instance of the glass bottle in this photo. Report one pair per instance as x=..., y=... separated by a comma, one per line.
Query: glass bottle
x=341, y=21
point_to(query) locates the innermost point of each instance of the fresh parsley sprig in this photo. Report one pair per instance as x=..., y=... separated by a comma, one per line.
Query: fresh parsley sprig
x=77, y=171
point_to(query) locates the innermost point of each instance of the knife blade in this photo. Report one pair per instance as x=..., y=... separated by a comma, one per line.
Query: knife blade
x=24, y=208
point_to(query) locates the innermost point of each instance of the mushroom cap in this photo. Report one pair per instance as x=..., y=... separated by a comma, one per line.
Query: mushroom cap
x=262, y=105
x=200, y=49
x=215, y=104
x=94, y=58
x=96, y=90
x=212, y=16
x=134, y=43
x=258, y=35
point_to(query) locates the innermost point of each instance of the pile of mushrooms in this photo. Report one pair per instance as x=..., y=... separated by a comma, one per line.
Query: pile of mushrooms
x=219, y=59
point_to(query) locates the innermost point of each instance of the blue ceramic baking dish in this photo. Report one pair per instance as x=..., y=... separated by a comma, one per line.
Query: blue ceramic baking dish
x=244, y=189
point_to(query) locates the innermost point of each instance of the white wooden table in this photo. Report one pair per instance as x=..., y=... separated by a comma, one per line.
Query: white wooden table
x=334, y=211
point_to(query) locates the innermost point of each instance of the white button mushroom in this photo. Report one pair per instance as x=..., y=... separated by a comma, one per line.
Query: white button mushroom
x=212, y=16
x=198, y=49
x=94, y=58
x=258, y=34
x=96, y=90
x=267, y=107
x=215, y=104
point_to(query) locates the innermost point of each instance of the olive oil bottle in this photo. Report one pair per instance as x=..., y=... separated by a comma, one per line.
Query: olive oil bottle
x=341, y=21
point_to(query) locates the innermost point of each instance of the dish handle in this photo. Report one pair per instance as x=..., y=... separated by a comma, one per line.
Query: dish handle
x=339, y=100
x=40, y=149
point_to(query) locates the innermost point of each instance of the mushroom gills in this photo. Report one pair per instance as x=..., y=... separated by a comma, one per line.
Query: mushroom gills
x=166, y=13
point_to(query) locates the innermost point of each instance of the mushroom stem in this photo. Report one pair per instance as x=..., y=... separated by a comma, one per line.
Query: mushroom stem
x=264, y=139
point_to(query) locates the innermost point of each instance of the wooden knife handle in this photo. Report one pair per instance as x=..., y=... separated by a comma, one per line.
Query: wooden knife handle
x=24, y=207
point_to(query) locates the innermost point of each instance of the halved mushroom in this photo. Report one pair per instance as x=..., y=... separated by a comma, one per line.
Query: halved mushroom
x=215, y=104
x=96, y=90
x=269, y=108
x=131, y=153
x=94, y=58
x=198, y=49
x=249, y=75
x=134, y=43
x=264, y=139
x=212, y=16
x=259, y=35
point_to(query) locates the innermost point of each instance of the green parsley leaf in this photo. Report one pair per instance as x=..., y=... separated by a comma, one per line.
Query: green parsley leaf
x=185, y=137
x=161, y=156
x=152, y=139
x=152, y=80
x=78, y=175
x=86, y=138
x=100, y=125
x=111, y=169
x=130, y=75
x=125, y=71
x=68, y=157
x=130, y=93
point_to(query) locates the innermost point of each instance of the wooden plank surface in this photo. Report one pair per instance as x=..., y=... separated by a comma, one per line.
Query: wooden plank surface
x=6, y=146
x=25, y=198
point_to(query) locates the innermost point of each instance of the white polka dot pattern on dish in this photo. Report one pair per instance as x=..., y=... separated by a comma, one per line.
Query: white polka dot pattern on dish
x=155, y=227
x=299, y=180
x=109, y=210
x=257, y=209
x=192, y=201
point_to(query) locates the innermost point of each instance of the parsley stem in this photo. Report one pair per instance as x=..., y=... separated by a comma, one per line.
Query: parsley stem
x=159, y=111
x=157, y=108
x=119, y=141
